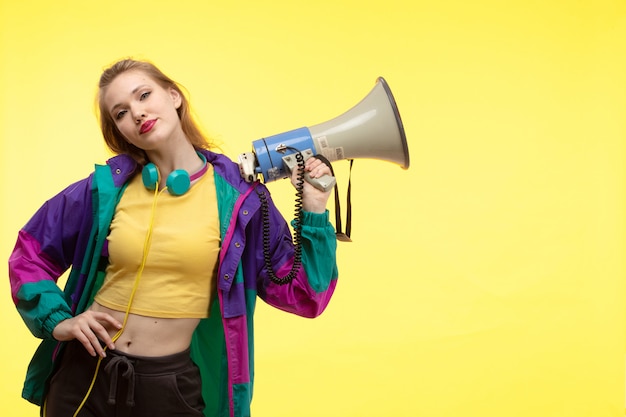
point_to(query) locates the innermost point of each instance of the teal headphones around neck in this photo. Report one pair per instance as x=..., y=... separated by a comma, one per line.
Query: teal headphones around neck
x=179, y=180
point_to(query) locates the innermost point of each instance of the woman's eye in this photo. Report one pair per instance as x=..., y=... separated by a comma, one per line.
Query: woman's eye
x=120, y=114
x=144, y=95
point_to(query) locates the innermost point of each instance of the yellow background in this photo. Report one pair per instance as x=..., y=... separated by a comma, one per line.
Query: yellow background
x=485, y=281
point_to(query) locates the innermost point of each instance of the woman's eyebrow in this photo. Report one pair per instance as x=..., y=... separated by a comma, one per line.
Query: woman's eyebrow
x=139, y=87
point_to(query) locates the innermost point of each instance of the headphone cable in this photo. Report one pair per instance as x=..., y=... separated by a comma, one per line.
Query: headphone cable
x=146, y=247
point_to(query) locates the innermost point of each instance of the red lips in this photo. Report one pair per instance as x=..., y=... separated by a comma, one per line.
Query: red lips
x=147, y=126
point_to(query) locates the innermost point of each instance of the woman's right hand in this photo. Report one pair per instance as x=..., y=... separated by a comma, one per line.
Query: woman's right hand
x=89, y=329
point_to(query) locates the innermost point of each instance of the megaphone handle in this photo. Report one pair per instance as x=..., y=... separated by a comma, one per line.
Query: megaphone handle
x=323, y=183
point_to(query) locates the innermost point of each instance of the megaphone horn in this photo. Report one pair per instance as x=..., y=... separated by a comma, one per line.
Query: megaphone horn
x=371, y=129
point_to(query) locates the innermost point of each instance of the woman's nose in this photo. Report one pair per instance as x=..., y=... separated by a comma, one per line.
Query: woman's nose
x=138, y=115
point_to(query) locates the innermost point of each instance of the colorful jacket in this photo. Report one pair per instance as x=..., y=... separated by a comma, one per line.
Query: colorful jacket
x=70, y=231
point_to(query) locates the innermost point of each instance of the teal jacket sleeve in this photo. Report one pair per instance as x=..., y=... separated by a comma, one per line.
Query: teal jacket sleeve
x=309, y=293
x=48, y=245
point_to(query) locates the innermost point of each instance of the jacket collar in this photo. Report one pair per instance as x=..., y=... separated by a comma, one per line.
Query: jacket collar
x=124, y=167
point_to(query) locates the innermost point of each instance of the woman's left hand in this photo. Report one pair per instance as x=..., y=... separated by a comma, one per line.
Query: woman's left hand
x=313, y=200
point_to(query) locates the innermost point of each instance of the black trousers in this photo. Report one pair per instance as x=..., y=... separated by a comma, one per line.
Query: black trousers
x=125, y=386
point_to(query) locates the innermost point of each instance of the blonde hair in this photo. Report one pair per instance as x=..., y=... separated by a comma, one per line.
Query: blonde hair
x=114, y=138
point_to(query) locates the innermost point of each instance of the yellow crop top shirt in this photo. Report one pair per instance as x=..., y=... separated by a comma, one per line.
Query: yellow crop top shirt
x=179, y=274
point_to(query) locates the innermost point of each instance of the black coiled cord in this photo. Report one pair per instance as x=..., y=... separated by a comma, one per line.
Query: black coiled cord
x=297, y=226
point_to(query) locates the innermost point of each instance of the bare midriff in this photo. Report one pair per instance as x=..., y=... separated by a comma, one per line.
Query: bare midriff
x=150, y=336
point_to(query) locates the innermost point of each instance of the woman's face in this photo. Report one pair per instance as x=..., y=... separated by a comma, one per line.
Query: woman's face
x=143, y=111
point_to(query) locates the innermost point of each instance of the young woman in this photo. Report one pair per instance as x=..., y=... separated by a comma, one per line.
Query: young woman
x=168, y=249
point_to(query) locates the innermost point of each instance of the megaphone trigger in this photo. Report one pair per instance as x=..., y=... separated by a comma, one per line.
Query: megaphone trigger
x=323, y=183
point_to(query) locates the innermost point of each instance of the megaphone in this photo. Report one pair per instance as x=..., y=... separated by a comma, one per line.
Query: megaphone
x=371, y=129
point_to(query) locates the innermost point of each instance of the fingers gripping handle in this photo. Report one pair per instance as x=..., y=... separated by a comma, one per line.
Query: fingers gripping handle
x=323, y=183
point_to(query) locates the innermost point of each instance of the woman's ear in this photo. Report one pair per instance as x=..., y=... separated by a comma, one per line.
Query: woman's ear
x=176, y=97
